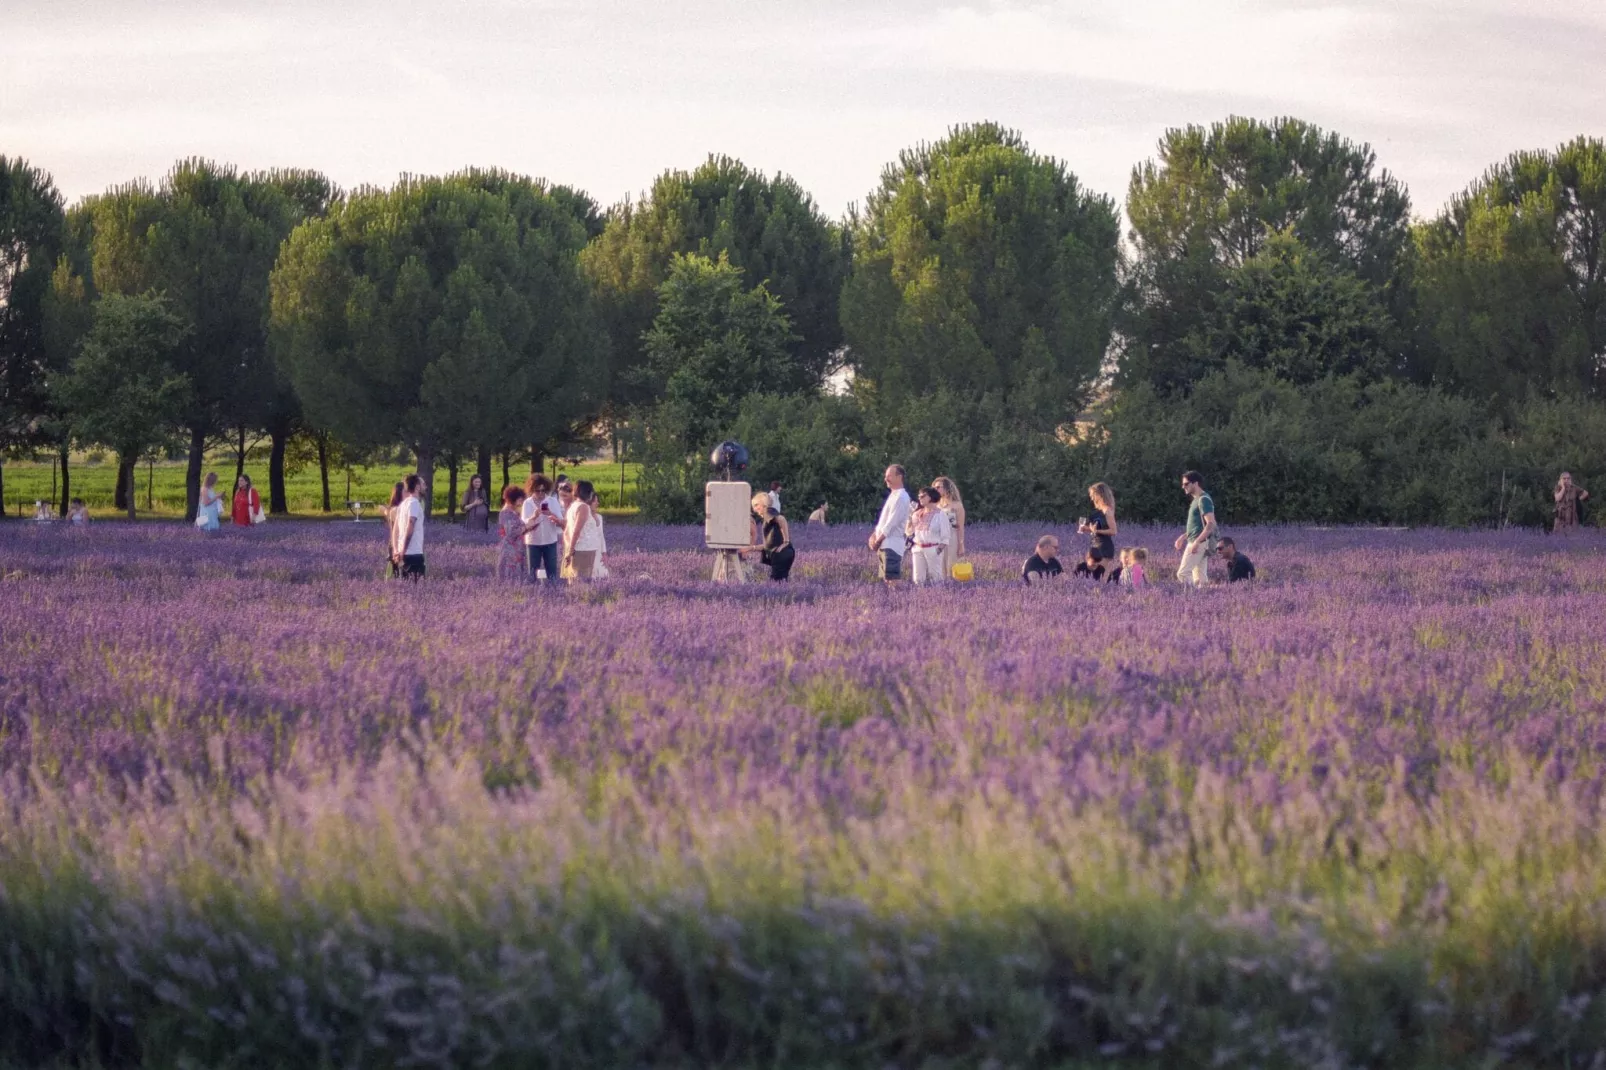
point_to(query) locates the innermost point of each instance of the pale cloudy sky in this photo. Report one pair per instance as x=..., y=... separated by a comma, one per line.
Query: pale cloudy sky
x=604, y=94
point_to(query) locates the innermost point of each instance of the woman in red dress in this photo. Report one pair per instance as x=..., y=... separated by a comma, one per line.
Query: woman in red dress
x=246, y=501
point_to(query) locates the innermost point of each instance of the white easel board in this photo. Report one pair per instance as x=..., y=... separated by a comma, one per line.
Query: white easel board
x=727, y=516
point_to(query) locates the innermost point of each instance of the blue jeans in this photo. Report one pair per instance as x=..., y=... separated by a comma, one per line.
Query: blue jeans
x=543, y=557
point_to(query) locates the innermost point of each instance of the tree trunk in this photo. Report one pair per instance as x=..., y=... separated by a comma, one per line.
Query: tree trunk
x=192, y=474
x=66, y=482
x=239, y=458
x=125, y=482
x=277, y=505
x=506, y=460
x=482, y=466
x=426, y=468
x=3, y=494
x=451, y=488
x=536, y=459
x=323, y=466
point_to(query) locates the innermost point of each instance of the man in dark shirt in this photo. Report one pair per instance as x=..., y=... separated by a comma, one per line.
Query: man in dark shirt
x=1239, y=567
x=1090, y=568
x=1045, y=563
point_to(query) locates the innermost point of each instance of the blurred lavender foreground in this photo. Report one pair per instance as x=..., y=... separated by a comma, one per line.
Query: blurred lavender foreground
x=265, y=809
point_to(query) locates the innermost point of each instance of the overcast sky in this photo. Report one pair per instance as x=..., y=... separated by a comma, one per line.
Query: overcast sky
x=603, y=94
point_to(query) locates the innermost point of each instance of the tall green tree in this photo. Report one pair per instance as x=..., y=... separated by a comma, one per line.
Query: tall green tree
x=769, y=227
x=124, y=390
x=31, y=232
x=1512, y=278
x=443, y=313
x=206, y=238
x=982, y=266
x=1209, y=206
x=713, y=343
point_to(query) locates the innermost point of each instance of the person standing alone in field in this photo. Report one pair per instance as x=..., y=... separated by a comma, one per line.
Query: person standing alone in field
x=409, y=527
x=1199, y=538
x=1570, y=499
x=887, y=538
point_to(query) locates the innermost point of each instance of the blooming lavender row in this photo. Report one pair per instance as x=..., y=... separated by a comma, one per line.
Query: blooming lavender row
x=262, y=802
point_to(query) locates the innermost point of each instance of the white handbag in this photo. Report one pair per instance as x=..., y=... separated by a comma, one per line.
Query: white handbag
x=257, y=515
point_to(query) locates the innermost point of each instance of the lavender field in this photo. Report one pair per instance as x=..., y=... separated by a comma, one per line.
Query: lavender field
x=264, y=808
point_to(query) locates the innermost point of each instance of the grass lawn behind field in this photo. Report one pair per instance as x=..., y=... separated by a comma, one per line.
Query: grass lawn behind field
x=161, y=486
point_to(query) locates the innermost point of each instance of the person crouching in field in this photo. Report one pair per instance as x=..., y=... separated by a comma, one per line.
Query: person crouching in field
x=819, y=515
x=772, y=539
x=1132, y=565
x=79, y=513
x=1044, y=563
x=929, y=534
x=1090, y=567
x=510, y=535
x=1239, y=567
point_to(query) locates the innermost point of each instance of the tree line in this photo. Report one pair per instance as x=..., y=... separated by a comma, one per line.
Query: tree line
x=981, y=312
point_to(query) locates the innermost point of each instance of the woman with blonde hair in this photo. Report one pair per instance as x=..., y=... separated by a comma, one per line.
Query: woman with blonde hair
x=1100, y=524
x=954, y=506
x=211, y=504
x=772, y=538
x=1570, y=498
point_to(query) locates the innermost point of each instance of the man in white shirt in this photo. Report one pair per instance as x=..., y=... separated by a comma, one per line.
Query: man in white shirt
x=887, y=539
x=409, y=548
x=775, y=496
x=543, y=517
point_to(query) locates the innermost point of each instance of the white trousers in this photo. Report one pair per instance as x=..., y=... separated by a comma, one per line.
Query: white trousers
x=928, y=567
x=1195, y=566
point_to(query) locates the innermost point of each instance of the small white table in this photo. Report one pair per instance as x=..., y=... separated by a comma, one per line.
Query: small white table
x=356, y=510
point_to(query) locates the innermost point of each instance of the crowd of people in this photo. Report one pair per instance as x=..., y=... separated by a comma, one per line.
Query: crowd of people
x=552, y=531
x=928, y=533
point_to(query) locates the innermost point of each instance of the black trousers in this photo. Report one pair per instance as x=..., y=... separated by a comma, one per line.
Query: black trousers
x=780, y=562
x=412, y=567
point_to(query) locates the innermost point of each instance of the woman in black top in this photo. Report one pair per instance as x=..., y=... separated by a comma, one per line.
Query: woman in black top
x=776, y=548
x=1100, y=524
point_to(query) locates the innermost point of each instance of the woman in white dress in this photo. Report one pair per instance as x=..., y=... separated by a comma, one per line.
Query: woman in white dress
x=211, y=506
x=954, y=506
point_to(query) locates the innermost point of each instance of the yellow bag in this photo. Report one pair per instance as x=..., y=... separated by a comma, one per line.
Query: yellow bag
x=963, y=571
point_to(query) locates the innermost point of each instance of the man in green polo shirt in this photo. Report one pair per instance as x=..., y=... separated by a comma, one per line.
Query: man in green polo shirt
x=1199, y=540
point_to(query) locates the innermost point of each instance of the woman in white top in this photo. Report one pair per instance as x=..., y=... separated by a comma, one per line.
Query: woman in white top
x=582, y=534
x=929, y=538
x=954, y=506
x=211, y=507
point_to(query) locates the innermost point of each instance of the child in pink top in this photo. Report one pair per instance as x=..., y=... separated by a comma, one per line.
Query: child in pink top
x=1132, y=562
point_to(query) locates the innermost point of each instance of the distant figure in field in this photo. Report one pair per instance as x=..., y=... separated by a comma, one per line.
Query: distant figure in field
x=210, y=509
x=954, y=506
x=1132, y=565
x=475, y=505
x=1091, y=567
x=247, y=504
x=928, y=534
x=390, y=511
x=819, y=515
x=1199, y=538
x=1570, y=499
x=409, y=528
x=510, y=535
x=1044, y=562
x=41, y=513
x=78, y=512
x=772, y=539
x=1239, y=567
x=887, y=538
x=775, y=495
